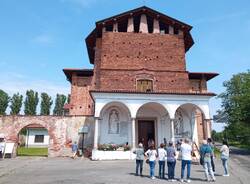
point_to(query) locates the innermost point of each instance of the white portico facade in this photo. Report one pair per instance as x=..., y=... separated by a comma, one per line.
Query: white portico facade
x=131, y=118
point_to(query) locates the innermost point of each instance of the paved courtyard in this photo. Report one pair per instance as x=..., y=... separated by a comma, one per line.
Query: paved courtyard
x=65, y=170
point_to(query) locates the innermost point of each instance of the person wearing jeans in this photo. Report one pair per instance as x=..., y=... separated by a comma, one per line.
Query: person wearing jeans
x=224, y=157
x=206, y=153
x=210, y=143
x=186, y=151
x=151, y=153
x=161, y=156
x=139, y=159
x=171, y=161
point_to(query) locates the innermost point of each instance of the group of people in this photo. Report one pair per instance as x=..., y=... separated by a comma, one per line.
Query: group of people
x=169, y=154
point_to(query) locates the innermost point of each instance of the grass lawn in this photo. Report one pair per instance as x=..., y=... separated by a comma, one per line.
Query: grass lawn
x=22, y=151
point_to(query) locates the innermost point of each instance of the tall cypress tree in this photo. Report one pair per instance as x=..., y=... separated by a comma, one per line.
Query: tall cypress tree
x=46, y=103
x=16, y=104
x=4, y=101
x=60, y=102
x=31, y=102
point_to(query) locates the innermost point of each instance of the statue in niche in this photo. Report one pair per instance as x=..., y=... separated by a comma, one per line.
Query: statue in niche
x=113, y=122
x=178, y=124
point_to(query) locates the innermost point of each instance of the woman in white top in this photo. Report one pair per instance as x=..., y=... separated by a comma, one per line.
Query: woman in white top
x=224, y=157
x=161, y=157
x=151, y=153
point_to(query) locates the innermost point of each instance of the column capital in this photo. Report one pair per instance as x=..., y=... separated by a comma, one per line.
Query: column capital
x=97, y=118
x=133, y=118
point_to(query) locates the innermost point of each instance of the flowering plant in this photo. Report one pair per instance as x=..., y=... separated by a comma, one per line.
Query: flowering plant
x=113, y=147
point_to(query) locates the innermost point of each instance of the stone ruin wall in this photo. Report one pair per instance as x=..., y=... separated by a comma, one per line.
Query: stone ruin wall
x=62, y=130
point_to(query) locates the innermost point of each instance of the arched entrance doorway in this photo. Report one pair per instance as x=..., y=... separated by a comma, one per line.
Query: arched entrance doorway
x=151, y=124
x=33, y=140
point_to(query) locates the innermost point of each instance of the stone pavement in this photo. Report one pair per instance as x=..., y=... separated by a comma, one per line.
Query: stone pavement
x=68, y=171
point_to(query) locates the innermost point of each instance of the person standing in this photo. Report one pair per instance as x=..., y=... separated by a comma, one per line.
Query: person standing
x=171, y=161
x=161, y=156
x=186, y=158
x=139, y=158
x=74, y=148
x=211, y=144
x=224, y=157
x=151, y=153
x=206, y=153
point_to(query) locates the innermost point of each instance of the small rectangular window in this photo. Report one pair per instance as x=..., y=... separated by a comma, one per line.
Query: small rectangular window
x=144, y=85
x=39, y=138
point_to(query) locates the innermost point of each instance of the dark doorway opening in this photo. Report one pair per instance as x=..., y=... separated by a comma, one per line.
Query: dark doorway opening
x=146, y=131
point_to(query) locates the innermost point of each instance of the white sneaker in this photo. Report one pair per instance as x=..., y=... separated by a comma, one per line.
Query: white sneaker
x=181, y=180
x=152, y=177
x=188, y=181
x=225, y=175
x=173, y=180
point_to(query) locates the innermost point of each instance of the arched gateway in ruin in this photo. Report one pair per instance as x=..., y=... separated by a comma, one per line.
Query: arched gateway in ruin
x=138, y=89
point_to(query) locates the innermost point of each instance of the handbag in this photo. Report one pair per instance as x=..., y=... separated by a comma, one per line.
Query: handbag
x=147, y=161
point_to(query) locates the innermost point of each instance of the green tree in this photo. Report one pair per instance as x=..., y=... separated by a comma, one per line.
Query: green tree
x=4, y=101
x=46, y=103
x=31, y=102
x=236, y=106
x=16, y=104
x=60, y=101
x=68, y=99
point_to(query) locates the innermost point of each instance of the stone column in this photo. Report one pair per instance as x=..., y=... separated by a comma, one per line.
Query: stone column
x=130, y=27
x=172, y=130
x=156, y=26
x=133, y=133
x=115, y=27
x=143, y=24
x=96, y=133
x=205, y=128
x=171, y=30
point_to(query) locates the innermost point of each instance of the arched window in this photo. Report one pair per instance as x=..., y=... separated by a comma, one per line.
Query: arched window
x=144, y=85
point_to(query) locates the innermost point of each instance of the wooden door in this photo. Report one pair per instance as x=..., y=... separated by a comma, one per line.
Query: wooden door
x=146, y=130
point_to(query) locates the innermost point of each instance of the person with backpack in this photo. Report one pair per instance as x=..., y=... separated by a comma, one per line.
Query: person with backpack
x=206, y=153
x=151, y=153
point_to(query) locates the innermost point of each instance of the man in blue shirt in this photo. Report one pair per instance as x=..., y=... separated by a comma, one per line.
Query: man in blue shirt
x=74, y=148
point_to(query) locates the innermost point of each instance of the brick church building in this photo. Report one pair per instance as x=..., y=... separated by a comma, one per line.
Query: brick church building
x=139, y=87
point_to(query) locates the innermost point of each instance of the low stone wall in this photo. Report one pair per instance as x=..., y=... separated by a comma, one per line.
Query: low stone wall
x=63, y=130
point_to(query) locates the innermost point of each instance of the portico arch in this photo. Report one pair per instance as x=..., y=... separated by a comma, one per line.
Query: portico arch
x=190, y=122
x=114, y=124
x=152, y=122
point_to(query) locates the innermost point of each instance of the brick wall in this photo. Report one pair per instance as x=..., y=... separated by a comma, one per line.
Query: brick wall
x=81, y=101
x=62, y=130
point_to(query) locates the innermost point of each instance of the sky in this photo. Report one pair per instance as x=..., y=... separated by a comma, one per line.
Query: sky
x=38, y=38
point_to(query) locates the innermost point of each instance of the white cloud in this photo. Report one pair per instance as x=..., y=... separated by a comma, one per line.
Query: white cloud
x=15, y=82
x=43, y=39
